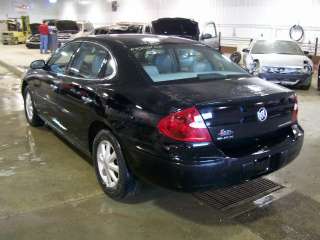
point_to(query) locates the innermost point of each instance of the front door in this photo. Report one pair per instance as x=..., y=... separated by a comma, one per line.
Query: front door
x=50, y=87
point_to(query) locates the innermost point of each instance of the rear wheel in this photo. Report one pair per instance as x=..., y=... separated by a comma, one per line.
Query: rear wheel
x=111, y=168
x=30, y=111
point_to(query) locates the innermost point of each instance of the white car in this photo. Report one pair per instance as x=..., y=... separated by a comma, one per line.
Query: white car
x=279, y=61
x=85, y=29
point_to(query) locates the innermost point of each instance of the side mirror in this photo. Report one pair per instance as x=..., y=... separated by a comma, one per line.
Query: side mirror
x=38, y=64
x=206, y=36
x=306, y=52
x=246, y=50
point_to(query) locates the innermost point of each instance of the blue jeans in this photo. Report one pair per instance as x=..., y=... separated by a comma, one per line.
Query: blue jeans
x=43, y=43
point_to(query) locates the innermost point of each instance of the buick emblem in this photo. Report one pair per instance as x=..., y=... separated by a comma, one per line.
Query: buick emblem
x=262, y=114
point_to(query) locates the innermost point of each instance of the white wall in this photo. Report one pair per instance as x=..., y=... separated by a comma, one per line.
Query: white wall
x=39, y=9
x=235, y=18
x=258, y=12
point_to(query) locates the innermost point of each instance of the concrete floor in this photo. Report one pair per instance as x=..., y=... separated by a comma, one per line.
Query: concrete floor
x=49, y=191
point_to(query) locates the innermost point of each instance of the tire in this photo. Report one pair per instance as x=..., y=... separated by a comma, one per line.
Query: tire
x=117, y=185
x=29, y=109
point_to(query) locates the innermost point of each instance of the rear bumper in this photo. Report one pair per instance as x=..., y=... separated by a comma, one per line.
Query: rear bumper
x=288, y=80
x=217, y=171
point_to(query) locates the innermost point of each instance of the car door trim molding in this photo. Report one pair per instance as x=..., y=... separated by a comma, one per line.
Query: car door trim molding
x=108, y=78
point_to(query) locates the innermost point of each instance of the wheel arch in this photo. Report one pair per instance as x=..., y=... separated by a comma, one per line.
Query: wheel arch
x=94, y=129
x=23, y=86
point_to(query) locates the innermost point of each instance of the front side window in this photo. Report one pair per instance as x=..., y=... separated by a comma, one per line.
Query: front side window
x=92, y=62
x=59, y=61
x=277, y=47
x=177, y=62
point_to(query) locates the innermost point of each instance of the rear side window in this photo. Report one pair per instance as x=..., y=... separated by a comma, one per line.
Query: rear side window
x=59, y=61
x=92, y=62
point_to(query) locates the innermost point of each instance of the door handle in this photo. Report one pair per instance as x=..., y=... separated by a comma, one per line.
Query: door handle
x=53, y=87
x=86, y=100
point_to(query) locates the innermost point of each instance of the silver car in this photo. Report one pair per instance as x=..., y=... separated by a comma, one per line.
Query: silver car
x=279, y=61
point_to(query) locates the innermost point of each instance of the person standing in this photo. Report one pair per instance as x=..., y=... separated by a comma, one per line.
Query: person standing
x=53, y=42
x=44, y=33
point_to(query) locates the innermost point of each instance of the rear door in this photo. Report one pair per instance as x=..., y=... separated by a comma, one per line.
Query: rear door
x=78, y=99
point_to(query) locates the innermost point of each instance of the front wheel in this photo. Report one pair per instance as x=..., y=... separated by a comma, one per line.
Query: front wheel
x=30, y=111
x=111, y=168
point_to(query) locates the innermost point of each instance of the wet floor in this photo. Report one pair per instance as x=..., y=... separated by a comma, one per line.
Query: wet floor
x=49, y=191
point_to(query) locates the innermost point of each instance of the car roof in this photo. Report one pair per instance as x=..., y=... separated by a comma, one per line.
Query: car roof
x=134, y=40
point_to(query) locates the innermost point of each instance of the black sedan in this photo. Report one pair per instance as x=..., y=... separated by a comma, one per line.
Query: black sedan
x=167, y=110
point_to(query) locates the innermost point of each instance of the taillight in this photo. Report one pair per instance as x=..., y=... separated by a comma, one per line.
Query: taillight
x=186, y=125
x=295, y=109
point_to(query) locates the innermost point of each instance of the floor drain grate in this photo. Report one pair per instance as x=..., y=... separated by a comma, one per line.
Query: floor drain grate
x=229, y=197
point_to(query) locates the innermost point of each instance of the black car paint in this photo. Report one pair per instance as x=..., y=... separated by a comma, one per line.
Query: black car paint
x=130, y=105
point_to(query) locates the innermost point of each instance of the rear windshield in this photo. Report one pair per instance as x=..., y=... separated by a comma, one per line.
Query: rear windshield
x=176, y=28
x=277, y=47
x=177, y=62
x=67, y=26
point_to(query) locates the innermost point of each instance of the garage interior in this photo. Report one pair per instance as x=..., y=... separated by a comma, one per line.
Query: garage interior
x=48, y=189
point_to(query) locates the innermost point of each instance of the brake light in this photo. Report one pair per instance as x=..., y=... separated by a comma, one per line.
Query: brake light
x=295, y=109
x=186, y=126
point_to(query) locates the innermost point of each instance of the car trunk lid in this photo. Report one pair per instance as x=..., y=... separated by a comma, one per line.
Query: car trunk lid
x=238, y=111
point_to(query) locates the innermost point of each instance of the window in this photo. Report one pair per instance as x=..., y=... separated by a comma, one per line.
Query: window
x=92, y=61
x=59, y=61
x=176, y=62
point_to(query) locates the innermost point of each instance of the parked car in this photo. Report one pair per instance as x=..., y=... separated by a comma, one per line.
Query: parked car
x=279, y=61
x=85, y=29
x=120, y=28
x=66, y=30
x=101, y=30
x=180, y=27
x=33, y=41
x=163, y=109
x=186, y=28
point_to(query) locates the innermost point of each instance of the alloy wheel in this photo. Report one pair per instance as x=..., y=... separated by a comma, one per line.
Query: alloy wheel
x=29, y=106
x=108, y=164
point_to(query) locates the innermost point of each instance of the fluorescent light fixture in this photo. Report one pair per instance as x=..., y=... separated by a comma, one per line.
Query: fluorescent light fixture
x=53, y=1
